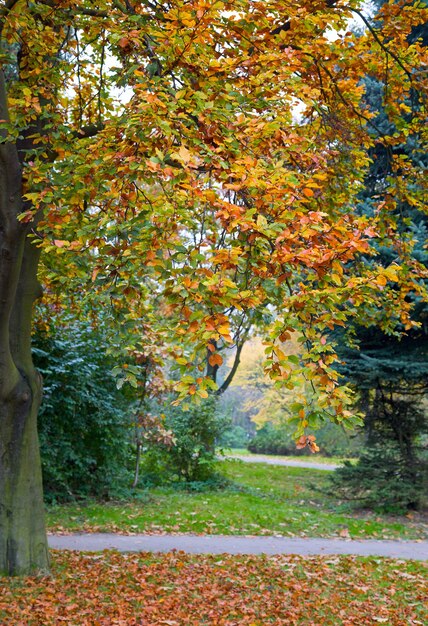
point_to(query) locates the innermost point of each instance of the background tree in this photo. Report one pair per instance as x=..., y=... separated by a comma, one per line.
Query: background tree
x=206, y=140
x=272, y=408
x=390, y=372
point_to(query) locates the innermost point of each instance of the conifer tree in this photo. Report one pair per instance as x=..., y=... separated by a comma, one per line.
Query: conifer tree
x=390, y=372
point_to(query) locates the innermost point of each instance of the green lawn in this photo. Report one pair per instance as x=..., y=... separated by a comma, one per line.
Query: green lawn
x=261, y=500
x=307, y=458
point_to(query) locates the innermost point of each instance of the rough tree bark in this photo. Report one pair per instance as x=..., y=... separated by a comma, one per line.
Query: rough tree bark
x=23, y=543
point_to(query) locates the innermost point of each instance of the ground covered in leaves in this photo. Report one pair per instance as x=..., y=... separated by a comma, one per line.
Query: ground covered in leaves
x=179, y=589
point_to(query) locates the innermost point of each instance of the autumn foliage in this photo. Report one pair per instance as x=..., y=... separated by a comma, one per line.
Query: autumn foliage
x=178, y=589
x=224, y=179
x=195, y=167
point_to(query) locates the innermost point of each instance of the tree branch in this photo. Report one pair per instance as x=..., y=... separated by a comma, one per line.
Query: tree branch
x=8, y=6
x=287, y=25
x=232, y=372
x=81, y=11
x=381, y=44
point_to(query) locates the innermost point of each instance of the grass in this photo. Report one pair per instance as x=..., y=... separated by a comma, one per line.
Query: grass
x=313, y=458
x=260, y=500
x=177, y=589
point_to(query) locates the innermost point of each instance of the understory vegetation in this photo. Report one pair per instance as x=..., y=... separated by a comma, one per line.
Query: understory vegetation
x=244, y=498
x=88, y=451
x=331, y=439
x=84, y=421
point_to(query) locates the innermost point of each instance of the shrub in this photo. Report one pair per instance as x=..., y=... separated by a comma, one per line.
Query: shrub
x=332, y=441
x=271, y=440
x=192, y=458
x=234, y=437
x=83, y=418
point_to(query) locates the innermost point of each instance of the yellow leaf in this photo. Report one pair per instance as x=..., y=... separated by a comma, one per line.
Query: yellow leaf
x=184, y=154
x=391, y=273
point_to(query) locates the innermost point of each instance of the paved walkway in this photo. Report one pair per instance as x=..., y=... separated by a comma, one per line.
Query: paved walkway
x=289, y=463
x=219, y=544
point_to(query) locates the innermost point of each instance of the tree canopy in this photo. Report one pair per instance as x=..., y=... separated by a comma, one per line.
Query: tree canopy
x=224, y=177
x=196, y=164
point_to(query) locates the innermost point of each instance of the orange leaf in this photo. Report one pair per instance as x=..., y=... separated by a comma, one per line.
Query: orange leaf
x=193, y=326
x=215, y=359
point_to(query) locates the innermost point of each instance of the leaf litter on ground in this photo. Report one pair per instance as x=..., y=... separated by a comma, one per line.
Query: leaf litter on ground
x=112, y=589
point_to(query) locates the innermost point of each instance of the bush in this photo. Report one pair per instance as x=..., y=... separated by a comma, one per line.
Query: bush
x=83, y=418
x=192, y=458
x=332, y=441
x=271, y=440
x=234, y=437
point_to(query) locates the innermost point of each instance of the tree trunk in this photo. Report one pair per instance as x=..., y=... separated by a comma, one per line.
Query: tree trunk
x=23, y=543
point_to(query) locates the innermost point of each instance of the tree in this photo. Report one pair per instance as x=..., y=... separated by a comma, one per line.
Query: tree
x=274, y=408
x=200, y=180
x=390, y=372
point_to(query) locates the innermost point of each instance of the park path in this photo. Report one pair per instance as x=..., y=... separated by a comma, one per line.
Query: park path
x=220, y=544
x=286, y=462
x=248, y=545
